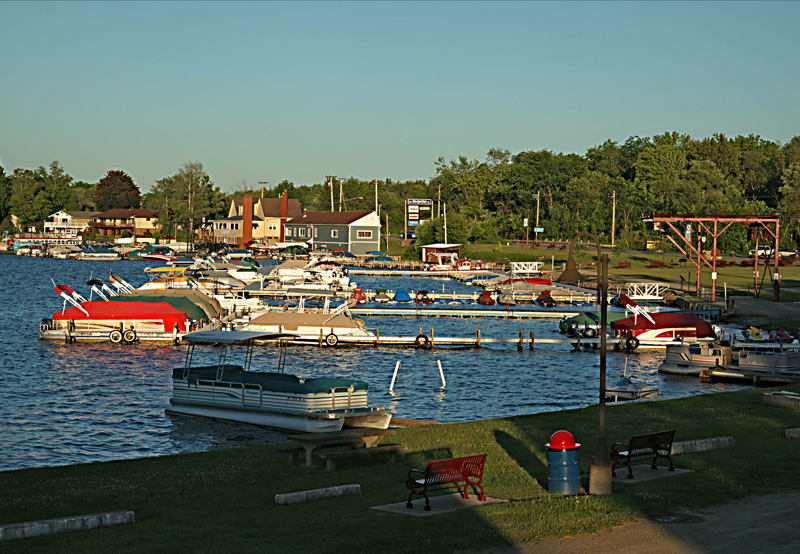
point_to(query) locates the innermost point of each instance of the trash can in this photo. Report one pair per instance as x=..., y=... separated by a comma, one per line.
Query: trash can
x=563, y=473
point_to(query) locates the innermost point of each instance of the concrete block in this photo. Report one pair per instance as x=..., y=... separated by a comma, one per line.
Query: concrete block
x=302, y=497
x=702, y=445
x=53, y=526
x=793, y=433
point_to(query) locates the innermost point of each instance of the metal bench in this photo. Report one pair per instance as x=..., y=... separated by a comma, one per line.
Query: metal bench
x=389, y=449
x=652, y=445
x=623, y=265
x=656, y=264
x=453, y=473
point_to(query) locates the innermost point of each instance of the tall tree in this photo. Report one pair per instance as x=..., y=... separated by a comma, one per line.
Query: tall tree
x=35, y=194
x=116, y=190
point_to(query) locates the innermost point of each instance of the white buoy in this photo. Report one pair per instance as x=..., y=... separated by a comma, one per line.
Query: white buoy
x=441, y=373
x=394, y=376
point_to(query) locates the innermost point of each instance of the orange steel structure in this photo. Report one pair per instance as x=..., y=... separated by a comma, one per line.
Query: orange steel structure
x=714, y=226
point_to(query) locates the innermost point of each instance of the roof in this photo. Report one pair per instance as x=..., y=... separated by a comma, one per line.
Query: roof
x=271, y=207
x=126, y=213
x=238, y=218
x=440, y=245
x=77, y=214
x=328, y=218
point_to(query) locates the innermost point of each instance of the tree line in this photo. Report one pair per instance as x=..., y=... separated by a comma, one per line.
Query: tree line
x=487, y=201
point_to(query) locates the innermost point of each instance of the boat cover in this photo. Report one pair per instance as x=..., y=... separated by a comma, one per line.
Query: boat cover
x=112, y=310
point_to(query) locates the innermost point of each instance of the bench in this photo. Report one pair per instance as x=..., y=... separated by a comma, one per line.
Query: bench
x=656, y=264
x=453, y=473
x=623, y=265
x=389, y=449
x=651, y=445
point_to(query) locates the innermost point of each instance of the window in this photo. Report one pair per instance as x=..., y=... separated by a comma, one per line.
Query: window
x=315, y=232
x=302, y=232
x=334, y=233
x=273, y=226
x=365, y=234
x=234, y=226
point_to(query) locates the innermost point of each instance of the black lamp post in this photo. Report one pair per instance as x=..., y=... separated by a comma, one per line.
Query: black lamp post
x=600, y=470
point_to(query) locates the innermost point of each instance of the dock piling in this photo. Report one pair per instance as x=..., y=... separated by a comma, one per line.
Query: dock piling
x=394, y=376
x=441, y=373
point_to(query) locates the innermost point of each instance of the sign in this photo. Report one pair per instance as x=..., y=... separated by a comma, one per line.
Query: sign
x=420, y=201
x=422, y=208
x=525, y=222
x=413, y=209
x=413, y=223
x=538, y=229
x=413, y=216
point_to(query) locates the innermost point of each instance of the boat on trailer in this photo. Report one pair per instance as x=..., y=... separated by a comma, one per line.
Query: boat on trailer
x=271, y=399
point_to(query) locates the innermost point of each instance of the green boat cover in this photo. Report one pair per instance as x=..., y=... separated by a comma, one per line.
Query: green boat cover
x=278, y=382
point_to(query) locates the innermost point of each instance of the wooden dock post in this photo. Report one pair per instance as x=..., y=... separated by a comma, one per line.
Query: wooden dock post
x=520, y=342
x=532, y=338
x=377, y=336
x=431, y=344
x=320, y=338
x=478, y=338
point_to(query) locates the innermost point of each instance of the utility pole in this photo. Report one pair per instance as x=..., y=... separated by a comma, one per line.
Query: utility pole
x=330, y=179
x=341, y=193
x=536, y=233
x=376, y=196
x=613, y=215
x=445, y=223
x=262, y=183
x=439, y=204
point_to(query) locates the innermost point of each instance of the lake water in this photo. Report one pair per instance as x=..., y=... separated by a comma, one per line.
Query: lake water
x=67, y=404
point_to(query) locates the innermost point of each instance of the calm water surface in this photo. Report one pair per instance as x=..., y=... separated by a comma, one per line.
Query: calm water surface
x=67, y=404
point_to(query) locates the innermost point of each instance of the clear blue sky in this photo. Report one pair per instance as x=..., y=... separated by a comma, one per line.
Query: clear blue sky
x=266, y=91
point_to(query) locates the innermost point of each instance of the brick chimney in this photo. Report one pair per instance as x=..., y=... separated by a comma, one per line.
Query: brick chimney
x=284, y=212
x=247, y=221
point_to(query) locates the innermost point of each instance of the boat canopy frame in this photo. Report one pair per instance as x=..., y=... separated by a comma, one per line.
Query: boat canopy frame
x=225, y=339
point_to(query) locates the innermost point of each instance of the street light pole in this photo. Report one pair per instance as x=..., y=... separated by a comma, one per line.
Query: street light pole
x=600, y=470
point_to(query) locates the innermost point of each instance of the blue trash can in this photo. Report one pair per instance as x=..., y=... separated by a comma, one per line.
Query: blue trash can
x=563, y=473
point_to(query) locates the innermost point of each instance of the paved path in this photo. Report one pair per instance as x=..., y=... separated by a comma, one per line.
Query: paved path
x=763, y=524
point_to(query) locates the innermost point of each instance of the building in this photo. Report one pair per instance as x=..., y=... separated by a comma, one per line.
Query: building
x=69, y=223
x=354, y=232
x=137, y=222
x=267, y=217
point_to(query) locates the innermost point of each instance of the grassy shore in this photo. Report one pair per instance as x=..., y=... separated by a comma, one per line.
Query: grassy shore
x=223, y=501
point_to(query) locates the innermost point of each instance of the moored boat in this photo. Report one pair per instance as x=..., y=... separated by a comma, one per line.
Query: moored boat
x=271, y=399
x=627, y=389
x=657, y=330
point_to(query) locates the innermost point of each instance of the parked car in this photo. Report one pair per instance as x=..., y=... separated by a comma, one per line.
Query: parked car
x=786, y=253
x=410, y=235
x=763, y=251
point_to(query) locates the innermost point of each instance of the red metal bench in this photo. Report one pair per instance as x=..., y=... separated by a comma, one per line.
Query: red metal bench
x=656, y=264
x=622, y=265
x=453, y=473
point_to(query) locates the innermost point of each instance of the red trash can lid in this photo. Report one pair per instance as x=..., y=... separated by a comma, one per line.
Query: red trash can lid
x=562, y=440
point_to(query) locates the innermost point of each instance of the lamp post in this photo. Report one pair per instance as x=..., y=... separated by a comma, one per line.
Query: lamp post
x=600, y=470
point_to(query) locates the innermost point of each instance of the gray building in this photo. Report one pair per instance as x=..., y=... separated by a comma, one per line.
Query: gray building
x=354, y=232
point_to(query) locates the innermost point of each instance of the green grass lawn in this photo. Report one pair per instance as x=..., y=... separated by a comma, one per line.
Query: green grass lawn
x=223, y=501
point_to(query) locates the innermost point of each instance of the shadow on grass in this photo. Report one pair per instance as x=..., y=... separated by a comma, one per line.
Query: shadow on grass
x=521, y=453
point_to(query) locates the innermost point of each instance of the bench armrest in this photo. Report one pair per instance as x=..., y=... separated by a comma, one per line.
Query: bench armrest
x=419, y=471
x=622, y=444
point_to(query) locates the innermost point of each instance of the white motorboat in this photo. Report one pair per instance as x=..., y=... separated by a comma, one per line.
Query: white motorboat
x=271, y=399
x=627, y=389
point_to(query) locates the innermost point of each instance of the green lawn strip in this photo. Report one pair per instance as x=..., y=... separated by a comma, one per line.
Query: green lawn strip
x=223, y=501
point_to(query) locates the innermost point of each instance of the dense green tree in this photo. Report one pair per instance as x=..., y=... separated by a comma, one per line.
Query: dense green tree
x=35, y=194
x=116, y=190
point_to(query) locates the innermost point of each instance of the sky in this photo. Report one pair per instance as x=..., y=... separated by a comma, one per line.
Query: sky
x=267, y=91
